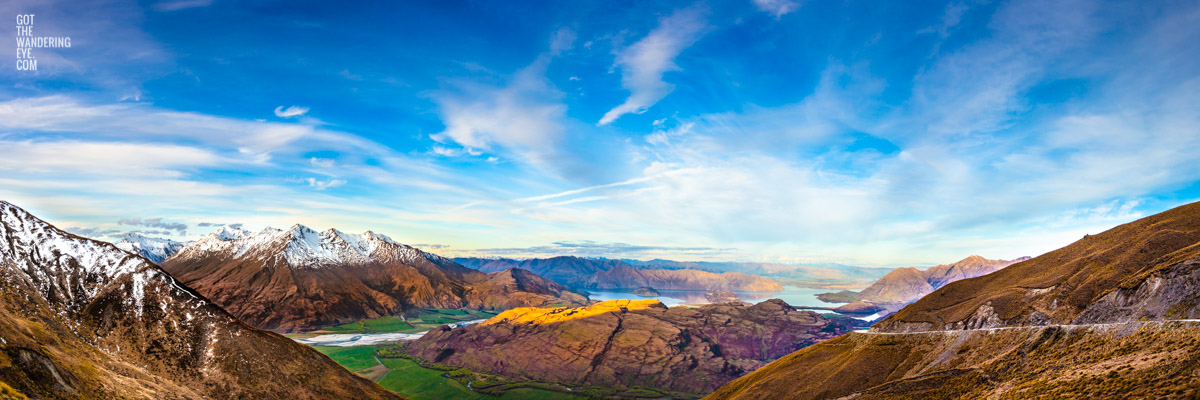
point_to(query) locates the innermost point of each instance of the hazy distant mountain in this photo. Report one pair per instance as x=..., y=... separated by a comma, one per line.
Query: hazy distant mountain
x=299, y=279
x=80, y=318
x=563, y=269
x=905, y=285
x=825, y=275
x=154, y=249
x=590, y=273
x=1109, y=316
x=623, y=343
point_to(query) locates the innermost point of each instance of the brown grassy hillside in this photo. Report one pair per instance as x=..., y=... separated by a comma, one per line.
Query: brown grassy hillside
x=1146, y=360
x=630, y=344
x=1057, y=286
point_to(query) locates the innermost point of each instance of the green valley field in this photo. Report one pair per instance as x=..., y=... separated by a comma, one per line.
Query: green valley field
x=405, y=377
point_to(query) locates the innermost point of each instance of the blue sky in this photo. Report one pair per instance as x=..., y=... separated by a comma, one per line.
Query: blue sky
x=765, y=130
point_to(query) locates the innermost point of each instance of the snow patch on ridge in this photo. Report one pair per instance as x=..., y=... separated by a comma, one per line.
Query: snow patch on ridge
x=232, y=233
x=69, y=270
x=154, y=249
x=301, y=246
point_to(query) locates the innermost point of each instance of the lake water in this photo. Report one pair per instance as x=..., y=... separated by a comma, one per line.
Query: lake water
x=368, y=339
x=794, y=295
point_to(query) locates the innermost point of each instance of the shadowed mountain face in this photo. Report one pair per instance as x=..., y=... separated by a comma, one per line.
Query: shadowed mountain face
x=623, y=343
x=83, y=319
x=906, y=285
x=1110, y=316
x=299, y=279
x=603, y=274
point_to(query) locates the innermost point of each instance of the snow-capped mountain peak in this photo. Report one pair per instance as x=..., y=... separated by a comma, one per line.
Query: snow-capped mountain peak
x=154, y=249
x=228, y=232
x=304, y=247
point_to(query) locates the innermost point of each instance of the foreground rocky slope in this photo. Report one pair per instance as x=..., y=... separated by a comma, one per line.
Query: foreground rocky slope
x=299, y=279
x=1110, y=316
x=623, y=343
x=1139, y=360
x=906, y=285
x=82, y=319
x=587, y=273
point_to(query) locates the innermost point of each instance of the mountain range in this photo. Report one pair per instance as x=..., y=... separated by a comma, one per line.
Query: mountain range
x=822, y=275
x=298, y=279
x=1115, y=314
x=608, y=274
x=1112, y=315
x=602, y=274
x=85, y=319
x=906, y=285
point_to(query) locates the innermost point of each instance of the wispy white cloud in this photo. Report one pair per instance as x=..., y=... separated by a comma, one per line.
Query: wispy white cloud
x=290, y=111
x=103, y=158
x=778, y=8
x=950, y=19
x=562, y=40
x=525, y=116
x=176, y=5
x=454, y=152
x=237, y=140
x=980, y=88
x=326, y=184
x=345, y=73
x=321, y=162
x=181, y=228
x=591, y=248
x=644, y=62
x=522, y=116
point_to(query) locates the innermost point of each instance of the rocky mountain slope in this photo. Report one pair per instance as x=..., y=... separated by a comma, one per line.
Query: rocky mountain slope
x=1112, y=315
x=299, y=279
x=906, y=285
x=587, y=273
x=1138, y=360
x=154, y=249
x=623, y=343
x=83, y=319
